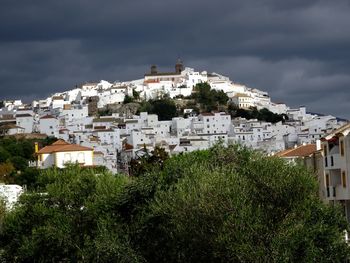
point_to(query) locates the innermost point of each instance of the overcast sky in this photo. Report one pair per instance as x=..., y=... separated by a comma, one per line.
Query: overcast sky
x=297, y=50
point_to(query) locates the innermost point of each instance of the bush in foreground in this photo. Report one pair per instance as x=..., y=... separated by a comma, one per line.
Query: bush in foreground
x=221, y=205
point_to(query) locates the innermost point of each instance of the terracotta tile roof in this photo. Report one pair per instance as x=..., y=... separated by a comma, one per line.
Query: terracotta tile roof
x=128, y=146
x=63, y=146
x=60, y=142
x=48, y=117
x=343, y=130
x=300, y=151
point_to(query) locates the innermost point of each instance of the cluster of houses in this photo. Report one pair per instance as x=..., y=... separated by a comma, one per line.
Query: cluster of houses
x=323, y=142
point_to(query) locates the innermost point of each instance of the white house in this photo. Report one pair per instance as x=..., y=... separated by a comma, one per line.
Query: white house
x=242, y=100
x=25, y=121
x=49, y=125
x=218, y=122
x=60, y=153
x=336, y=152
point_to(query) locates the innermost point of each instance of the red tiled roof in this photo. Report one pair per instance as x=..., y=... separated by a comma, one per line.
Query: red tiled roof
x=63, y=146
x=48, y=117
x=300, y=151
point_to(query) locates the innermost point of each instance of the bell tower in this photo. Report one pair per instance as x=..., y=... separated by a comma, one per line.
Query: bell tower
x=179, y=67
x=154, y=69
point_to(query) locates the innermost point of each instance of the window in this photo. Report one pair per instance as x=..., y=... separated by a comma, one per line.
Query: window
x=81, y=158
x=343, y=178
x=327, y=180
x=67, y=157
x=325, y=150
x=342, y=147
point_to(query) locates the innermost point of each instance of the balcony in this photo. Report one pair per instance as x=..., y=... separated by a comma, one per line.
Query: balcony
x=334, y=161
x=331, y=193
x=337, y=192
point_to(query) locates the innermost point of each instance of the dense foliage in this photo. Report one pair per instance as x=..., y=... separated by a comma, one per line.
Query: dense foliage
x=14, y=157
x=253, y=113
x=208, y=99
x=165, y=108
x=219, y=205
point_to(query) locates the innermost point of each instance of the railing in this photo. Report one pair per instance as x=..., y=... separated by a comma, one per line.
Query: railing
x=331, y=191
x=333, y=161
x=34, y=163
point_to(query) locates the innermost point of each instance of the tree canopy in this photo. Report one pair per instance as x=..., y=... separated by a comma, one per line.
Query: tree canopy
x=253, y=113
x=219, y=205
x=165, y=108
x=209, y=99
x=14, y=157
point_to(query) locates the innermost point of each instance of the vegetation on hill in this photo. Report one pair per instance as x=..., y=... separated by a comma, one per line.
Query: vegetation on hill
x=14, y=157
x=219, y=205
x=253, y=113
x=165, y=108
x=208, y=99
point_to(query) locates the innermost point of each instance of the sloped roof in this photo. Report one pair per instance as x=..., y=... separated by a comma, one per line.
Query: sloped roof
x=48, y=117
x=63, y=146
x=60, y=142
x=300, y=151
x=344, y=130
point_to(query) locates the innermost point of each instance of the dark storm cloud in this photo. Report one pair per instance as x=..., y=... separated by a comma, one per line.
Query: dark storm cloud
x=296, y=50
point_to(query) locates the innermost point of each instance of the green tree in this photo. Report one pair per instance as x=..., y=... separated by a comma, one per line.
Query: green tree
x=71, y=218
x=239, y=206
x=128, y=99
x=219, y=205
x=136, y=94
x=208, y=98
x=19, y=163
x=149, y=161
x=4, y=154
x=6, y=171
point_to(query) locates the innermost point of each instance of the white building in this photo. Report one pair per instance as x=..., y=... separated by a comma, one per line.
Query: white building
x=336, y=152
x=26, y=121
x=213, y=123
x=243, y=101
x=49, y=125
x=60, y=153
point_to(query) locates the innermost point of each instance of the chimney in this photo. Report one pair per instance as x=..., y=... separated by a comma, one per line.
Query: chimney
x=36, y=147
x=318, y=145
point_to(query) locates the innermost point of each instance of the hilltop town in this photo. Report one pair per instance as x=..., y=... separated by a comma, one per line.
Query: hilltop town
x=142, y=128
x=75, y=116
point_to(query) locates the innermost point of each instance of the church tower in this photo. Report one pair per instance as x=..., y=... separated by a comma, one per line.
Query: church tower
x=179, y=67
x=154, y=69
